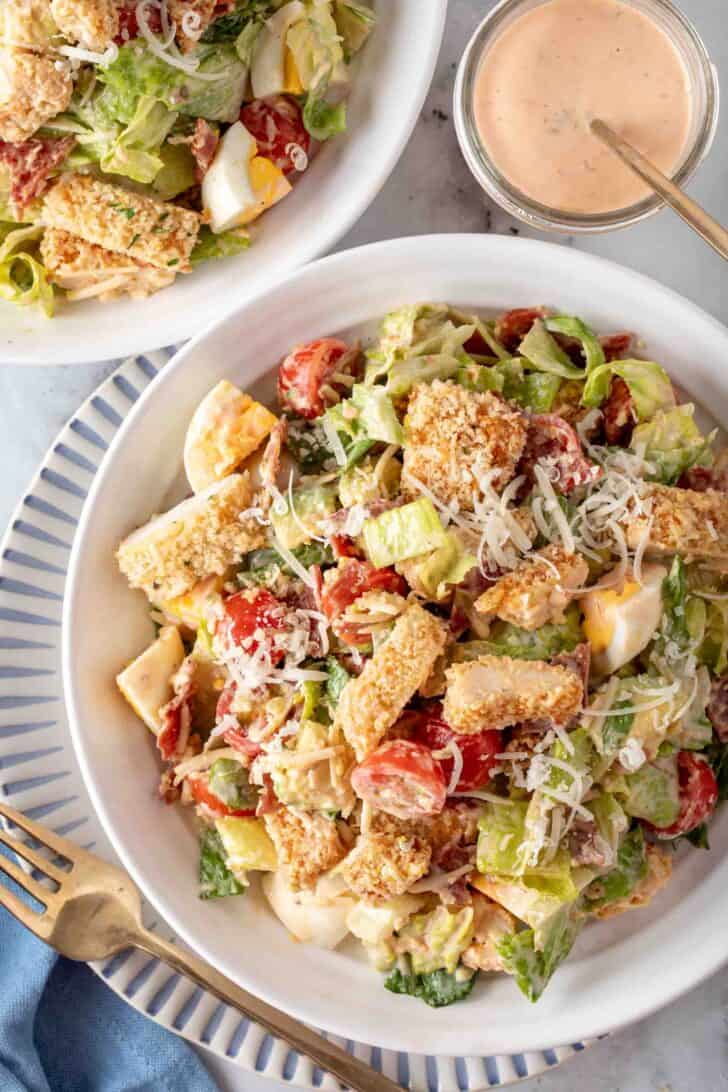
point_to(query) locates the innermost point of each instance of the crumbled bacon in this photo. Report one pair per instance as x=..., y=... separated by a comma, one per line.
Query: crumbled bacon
x=578, y=660
x=552, y=444
x=267, y=801
x=619, y=413
x=176, y=715
x=512, y=327
x=203, y=147
x=717, y=708
x=587, y=846
x=30, y=164
x=270, y=464
x=616, y=346
x=128, y=24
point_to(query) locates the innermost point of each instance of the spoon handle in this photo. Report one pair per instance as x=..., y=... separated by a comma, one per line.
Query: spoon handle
x=691, y=212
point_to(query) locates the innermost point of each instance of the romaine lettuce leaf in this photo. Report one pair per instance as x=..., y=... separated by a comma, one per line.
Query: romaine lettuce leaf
x=544, y=354
x=505, y=639
x=653, y=792
x=629, y=871
x=437, y=989
x=226, y=28
x=23, y=278
x=403, y=532
x=501, y=833
x=354, y=23
x=574, y=327
x=337, y=679
x=376, y=414
x=323, y=119
x=216, y=879
x=671, y=442
x=533, y=965
x=446, y=566
x=224, y=245
x=436, y=940
x=649, y=385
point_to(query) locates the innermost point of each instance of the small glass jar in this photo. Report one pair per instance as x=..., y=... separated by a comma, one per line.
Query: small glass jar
x=703, y=83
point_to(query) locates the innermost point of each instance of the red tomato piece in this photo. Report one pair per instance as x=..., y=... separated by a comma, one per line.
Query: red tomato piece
x=251, y=612
x=698, y=795
x=353, y=580
x=553, y=444
x=478, y=750
x=276, y=124
x=402, y=779
x=512, y=327
x=303, y=373
x=203, y=794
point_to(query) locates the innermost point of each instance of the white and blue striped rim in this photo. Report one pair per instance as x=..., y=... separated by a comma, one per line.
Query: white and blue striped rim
x=40, y=776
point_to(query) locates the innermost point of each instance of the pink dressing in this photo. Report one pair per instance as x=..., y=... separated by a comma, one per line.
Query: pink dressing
x=554, y=69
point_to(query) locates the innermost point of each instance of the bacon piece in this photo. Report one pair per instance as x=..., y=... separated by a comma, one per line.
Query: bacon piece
x=616, y=346
x=270, y=464
x=553, y=445
x=203, y=147
x=176, y=715
x=30, y=163
x=619, y=413
x=717, y=708
x=512, y=327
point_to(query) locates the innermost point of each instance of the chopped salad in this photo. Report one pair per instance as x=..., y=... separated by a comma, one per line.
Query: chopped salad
x=140, y=138
x=443, y=644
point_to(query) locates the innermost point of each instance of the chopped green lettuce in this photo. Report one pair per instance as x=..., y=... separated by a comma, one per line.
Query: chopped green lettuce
x=337, y=679
x=376, y=414
x=262, y=566
x=229, y=781
x=629, y=871
x=534, y=391
x=176, y=175
x=544, y=353
x=435, y=941
x=649, y=385
x=445, y=567
x=224, y=245
x=323, y=119
x=23, y=278
x=438, y=988
x=404, y=374
x=575, y=328
x=369, y=482
x=354, y=23
x=505, y=639
x=501, y=833
x=653, y=792
x=671, y=442
x=216, y=879
x=416, y=331
x=403, y=532
x=227, y=28
x=532, y=964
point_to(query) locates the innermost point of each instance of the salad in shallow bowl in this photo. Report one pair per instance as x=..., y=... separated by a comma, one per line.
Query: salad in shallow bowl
x=144, y=141
x=440, y=670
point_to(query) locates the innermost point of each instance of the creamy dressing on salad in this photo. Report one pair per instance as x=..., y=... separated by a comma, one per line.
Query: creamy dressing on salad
x=551, y=72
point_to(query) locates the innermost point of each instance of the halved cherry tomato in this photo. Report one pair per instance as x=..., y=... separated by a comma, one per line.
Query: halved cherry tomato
x=698, y=795
x=276, y=124
x=478, y=750
x=202, y=794
x=553, y=444
x=354, y=578
x=402, y=779
x=249, y=612
x=304, y=372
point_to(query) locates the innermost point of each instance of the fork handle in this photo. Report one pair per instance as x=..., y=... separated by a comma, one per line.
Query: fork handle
x=353, y=1072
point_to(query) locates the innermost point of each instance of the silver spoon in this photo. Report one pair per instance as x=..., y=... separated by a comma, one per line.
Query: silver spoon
x=691, y=212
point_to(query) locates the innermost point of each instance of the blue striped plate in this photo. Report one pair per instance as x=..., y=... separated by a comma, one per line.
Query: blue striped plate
x=39, y=773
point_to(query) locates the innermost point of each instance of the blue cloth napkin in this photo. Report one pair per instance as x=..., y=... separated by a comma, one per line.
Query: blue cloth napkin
x=63, y=1030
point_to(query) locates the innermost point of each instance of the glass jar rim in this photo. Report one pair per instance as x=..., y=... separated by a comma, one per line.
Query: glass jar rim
x=517, y=203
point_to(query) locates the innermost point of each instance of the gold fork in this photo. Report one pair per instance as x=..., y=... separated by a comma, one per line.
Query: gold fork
x=95, y=912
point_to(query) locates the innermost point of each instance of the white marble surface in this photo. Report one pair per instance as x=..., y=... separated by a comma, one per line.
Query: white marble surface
x=685, y=1047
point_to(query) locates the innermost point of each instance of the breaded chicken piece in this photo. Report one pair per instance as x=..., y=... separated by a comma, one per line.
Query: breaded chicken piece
x=659, y=870
x=371, y=703
x=85, y=269
x=456, y=825
x=491, y=923
x=307, y=844
x=93, y=24
x=683, y=521
x=538, y=591
x=454, y=435
x=496, y=691
x=33, y=89
x=199, y=15
x=201, y=536
x=386, y=860
x=26, y=24
x=148, y=230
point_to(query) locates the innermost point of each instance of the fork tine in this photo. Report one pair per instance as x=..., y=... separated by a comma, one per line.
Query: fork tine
x=42, y=834
x=32, y=856
x=26, y=881
x=37, y=923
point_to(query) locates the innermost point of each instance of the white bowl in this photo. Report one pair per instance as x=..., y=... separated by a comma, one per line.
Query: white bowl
x=389, y=83
x=620, y=970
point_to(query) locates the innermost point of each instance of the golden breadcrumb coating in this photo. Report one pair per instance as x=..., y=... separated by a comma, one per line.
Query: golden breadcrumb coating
x=385, y=863
x=496, y=691
x=85, y=269
x=33, y=89
x=26, y=24
x=537, y=591
x=146, y=229
x=371, y=703
x=307, y=844
x=682, y=521
x=454, y=436
x=659, y=870
x=201, y=536
x=93, y=24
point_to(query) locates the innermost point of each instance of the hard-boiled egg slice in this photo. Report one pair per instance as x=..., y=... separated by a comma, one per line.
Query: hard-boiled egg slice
x=147, y=682
x=240, y=184
x=308, y=916
x=227, y=427
x=620, y=622
x=270, y=70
